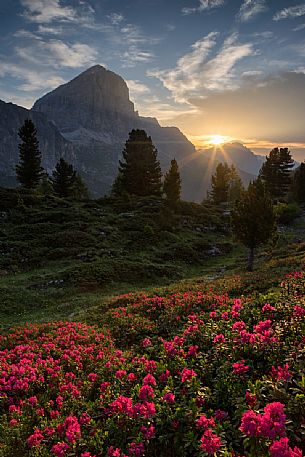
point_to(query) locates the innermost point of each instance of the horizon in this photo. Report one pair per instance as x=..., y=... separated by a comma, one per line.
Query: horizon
x=213, y=68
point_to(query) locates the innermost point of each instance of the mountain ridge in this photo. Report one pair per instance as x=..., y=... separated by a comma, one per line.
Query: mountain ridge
x=87, y=121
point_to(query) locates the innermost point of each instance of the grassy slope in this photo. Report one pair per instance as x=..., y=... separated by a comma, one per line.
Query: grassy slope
x=61, y=260
x=59, y=257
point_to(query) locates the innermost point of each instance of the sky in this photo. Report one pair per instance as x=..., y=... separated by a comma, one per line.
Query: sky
x=233, y=68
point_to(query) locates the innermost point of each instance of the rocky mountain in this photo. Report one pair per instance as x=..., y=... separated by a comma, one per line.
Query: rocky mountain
x=237, y=154
x=52, y=143
x=94, y=113
x=87, y=121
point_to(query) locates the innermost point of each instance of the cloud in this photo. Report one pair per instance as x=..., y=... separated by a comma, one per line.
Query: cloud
x=251, y=8
x=136, y=88
x=58, y=54
x=195, y=74
x=49, y=11
x=299, y=27
x=290, y=12
x=26, y=34
x=270, y=108
x=203, y=5
x=32, y=80
x=47, y=30
x=46, y=11
x=135, y=55
x=116, y=18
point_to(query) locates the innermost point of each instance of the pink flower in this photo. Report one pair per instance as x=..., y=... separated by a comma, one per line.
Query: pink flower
x=262, y=326
x=251, y=423
x=210, y=442
x=164, y=376
x=192, y=352
x=220, y=415
x=298, y=311
x=149, y=379
x=33, y=401
x=281, y=373
x=213, y=314
x=60, y=449
x=146, y=392
x=35, y=439
x=120, y=374
x=281, y=449
x=268, y=308
x=85, y=419
x=187, y=374
x=131, y=377
x=204, y=423
x=136, y=449
x=169, y=397
x=113, y=452
x=148, y=432
x=273, y=420
x=238, y=326
x=219, y=338
x=240, y=367
x=92, y=377
x=251, y=399
x=72, y=428
x=87, y=454
x=13, y=422
x=146, y=342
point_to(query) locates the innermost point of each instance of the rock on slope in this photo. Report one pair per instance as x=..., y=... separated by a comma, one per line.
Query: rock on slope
x=52, y=144
x=93, y=111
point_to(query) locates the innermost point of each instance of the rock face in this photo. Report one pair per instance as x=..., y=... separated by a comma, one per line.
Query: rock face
x=51, y=142
x=94, y=113
x=87, y=121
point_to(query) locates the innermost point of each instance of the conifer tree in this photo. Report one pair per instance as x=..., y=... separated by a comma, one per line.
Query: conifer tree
x=79, y=190
x=236, y=186
x=172, y=184
x=298, y=185
x=140, y=171
x=276, y=172
x=253, y=220
x=29, y=170
x=63, y=179
x=45, y=186
x=220, y=184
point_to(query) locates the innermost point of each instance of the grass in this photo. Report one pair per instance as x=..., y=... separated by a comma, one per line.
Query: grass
x=67, y=260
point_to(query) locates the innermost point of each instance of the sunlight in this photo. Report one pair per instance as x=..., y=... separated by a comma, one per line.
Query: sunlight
x=217, y=139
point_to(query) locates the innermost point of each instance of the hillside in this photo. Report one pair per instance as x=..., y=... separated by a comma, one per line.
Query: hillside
x=52, y=250
x=196, y=372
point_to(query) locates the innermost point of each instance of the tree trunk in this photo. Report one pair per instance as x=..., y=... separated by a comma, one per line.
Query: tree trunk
x=251, y=259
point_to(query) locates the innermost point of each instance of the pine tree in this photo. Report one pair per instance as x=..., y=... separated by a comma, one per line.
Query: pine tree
x=236, y=185
x=172, y=184
x=253, y=220
x=79, y=190
x=276, y=172
x=298, y=185
x=45, y=186
x=29, y=170
x=220, y=184
x=140, y=170
x=63, y=179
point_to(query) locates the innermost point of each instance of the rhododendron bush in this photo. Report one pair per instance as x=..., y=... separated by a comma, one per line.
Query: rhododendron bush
x=190, y=374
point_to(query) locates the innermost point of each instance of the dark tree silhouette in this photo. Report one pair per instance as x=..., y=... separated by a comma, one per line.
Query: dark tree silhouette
x=63, y=179
x=298, y=185
x=140, y=171
x=226, y=185
x=172, y=184
x=276, y=172
x=29, y=170
x=253, y=220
